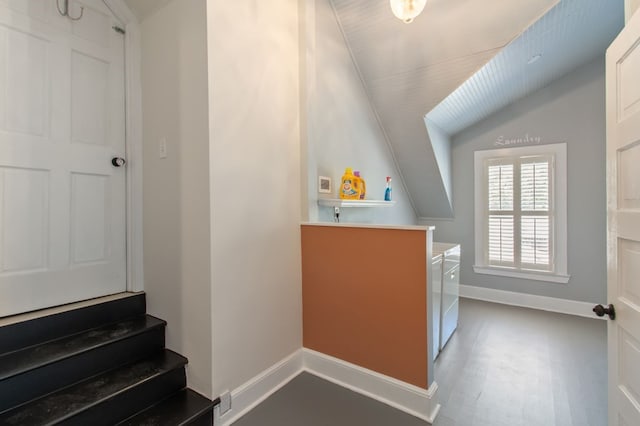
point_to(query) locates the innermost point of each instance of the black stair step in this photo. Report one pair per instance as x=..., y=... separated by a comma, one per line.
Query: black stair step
x=37, y=370
x=183, y=408
x=107, y=398
x=20, y=361
x=32, y=332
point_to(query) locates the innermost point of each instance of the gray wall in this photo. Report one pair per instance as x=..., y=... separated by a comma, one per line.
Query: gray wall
x=441, y=143
x=342, y=127
x=176, y=189
x=255, y=180
x=572, y=110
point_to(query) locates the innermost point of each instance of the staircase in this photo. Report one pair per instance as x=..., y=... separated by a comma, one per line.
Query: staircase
x=104, y=364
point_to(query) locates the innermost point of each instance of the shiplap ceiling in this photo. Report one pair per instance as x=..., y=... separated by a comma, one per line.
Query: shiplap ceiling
x=408, y=70
x=572, y=33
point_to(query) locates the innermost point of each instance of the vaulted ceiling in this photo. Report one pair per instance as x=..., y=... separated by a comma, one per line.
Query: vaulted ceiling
x=572, y=33
x=466, y=59
x=457, y=63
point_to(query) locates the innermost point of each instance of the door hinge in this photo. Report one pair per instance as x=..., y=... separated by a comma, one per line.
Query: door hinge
x=118, y=29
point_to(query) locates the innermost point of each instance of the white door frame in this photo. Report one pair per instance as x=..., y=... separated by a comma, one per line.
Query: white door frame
x=133, y=114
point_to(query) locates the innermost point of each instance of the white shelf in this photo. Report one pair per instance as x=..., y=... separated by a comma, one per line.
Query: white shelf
x=335, y=202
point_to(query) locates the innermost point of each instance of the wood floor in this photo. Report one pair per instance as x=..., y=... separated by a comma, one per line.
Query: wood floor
x=509, y=366
x=308, y=400
x=504, y=366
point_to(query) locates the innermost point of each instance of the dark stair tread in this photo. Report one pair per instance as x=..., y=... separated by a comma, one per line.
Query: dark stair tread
x=179, y=409
x=33, y=357
x=57, y=325
x=74, y=399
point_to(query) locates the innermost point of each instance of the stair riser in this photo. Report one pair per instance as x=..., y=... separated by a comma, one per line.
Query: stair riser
x=128, y=403
x=35, y=383
x=204, y=420
x=36, y=331
x=115, y=367
x=186, y=407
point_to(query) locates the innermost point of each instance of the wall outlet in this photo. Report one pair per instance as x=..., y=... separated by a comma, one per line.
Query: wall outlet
x=225, y=402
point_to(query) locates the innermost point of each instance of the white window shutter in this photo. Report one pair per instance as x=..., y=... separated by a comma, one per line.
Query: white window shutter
x=535, y=242
x=518, y=212
x=501, y=240
x=500, y=187
x=521, y=212
x=534, y=186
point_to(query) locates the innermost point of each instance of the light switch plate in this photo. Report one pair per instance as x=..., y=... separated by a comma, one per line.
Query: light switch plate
x=162, y=148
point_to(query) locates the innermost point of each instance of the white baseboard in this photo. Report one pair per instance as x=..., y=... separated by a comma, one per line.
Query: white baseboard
x=259, y=388
x=552, y=304
x=418, y=402
x=411, y=399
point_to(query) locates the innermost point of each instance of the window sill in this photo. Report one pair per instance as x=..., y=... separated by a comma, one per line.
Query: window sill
x=528, y=275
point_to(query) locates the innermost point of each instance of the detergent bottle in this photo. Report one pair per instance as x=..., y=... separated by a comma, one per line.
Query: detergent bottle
x=387, y=191
x=349, y=188
x=361, y=184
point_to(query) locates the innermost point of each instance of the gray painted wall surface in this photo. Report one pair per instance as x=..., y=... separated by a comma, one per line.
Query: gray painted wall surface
x=176, y=204
x=441, y=143
x=255, y=180
x=343, y=130
x=571, y=109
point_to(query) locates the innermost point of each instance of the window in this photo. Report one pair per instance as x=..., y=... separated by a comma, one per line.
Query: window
x=520, y=208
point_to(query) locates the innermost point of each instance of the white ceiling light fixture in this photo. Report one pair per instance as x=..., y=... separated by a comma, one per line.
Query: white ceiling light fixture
x=407, y=10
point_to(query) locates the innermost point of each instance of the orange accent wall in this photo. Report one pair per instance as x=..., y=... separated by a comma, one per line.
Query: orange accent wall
x=364, y=294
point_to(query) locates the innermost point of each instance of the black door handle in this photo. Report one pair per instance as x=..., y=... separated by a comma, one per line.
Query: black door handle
x=118, y=161
x=602, y=311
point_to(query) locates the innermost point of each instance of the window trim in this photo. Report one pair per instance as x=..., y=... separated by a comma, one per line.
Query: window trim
x=559, y=201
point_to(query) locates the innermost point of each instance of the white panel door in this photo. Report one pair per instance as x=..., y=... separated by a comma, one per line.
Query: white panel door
x=62, y=202
x=623, y=193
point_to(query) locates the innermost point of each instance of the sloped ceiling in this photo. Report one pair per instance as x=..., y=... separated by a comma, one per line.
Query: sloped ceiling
x=571, y=34
x=408, y=70
x=144, y=8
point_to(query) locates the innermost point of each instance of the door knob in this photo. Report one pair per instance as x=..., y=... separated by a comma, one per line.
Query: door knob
x=602, y=311
x=118, y=161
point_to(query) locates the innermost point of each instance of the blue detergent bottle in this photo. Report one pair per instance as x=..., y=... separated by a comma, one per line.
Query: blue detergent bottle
x=387, y=192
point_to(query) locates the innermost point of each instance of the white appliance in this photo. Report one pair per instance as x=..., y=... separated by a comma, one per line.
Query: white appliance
x=445, y=281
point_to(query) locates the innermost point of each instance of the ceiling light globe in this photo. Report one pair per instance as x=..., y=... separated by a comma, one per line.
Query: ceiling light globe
x=407, y=10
